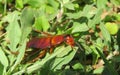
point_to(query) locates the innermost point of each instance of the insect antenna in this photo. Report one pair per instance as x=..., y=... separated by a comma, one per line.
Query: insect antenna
x=80, y=46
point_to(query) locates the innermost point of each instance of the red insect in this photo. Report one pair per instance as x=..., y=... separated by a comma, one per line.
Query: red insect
x=49, y=42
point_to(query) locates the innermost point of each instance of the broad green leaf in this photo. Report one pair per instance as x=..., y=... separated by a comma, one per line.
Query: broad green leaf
x=60, y=61
x=36, y=3
x=101, y=3
x=65, y=52
x=105, y=33
x=49, y=9
x=115, y=2
x=77, y=66
x=37, y=25
x=65, y=1
x=20, y=55
x=98, y=70
x=27, y=18
x=47, y=58
x=88, y=11
x=77, y=27
x=13, y=30
x=3, y=59
x=9, y=18
x=117, y=17
x=54, y=3
x=96, y=19
x=69, y=5
x=74, y=15
x=19, y=4
x=43, y=22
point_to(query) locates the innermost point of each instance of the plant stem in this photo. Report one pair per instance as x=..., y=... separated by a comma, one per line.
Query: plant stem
x=5, y=6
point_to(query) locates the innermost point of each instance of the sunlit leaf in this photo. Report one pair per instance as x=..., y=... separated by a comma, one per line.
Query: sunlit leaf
x=105, y=33
x=88, y=11
x=101, y=3
x=74, y=15
x=36, y=3
x=98, y=70
x=19, y=4
x=3, y=58
x=60, y=61
x=69, y=6
x=77, y=27
x=96, y=19
x=27, y=19
x=20, y=56
x=13, y=30
x=43, y=23
x=115, y=2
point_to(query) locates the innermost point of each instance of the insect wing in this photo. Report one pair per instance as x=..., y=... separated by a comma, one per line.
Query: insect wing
x=41, y=43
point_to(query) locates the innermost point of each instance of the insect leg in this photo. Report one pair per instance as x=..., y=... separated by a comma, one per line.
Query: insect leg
x=51, y=50
x=45, y=33
x=42, y=54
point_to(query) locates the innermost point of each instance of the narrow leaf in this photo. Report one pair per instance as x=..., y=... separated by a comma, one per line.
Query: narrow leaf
x=105, y=33
x=3, y=58
x=20, y=56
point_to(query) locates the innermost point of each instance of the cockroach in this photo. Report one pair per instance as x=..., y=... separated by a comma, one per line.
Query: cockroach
x=49, y=42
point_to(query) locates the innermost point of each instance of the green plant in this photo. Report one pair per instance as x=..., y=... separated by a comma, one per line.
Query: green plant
x=96, y=51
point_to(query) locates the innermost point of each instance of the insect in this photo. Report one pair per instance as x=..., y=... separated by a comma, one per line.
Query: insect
x=49, y=42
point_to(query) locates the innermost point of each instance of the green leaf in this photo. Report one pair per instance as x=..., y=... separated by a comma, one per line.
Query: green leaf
x=1, y=8
x=98, y=70
x=77, y=27
x=37, y=25
x=60, y=61
x=96, y=19
x=19, y=4
x=49, y=9
x=87, y=11
x=27, y=18
x=3, y=59
x=65, y=52
x=69, y=5
x=20, y=56
x=54, y=3
x=13, y=30
x=74, y=15
x=1, y=68
x=101, y=3
x=116, y=59
x=47, y=58
x=43, y=23
x=105, y=33
x=36, y=3
x=115, y=2
x=65, y=1
x=110, y=68
x=77, y=66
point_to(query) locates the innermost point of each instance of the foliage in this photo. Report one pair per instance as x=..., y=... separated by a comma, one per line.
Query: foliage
x=96, y=50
